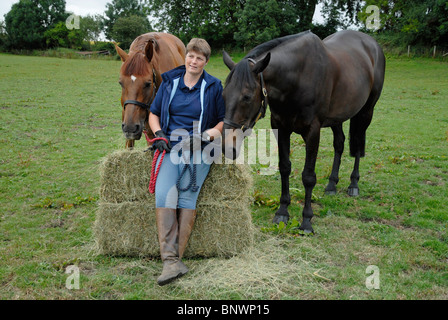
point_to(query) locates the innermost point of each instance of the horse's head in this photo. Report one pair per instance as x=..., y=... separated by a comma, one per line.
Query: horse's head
x=137, y=79
x=245, y=97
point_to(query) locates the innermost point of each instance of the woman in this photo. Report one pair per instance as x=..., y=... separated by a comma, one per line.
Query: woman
x=188, y=103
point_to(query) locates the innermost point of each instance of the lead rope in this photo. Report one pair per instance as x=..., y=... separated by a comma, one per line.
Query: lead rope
x=154, y=171
x=192, y=185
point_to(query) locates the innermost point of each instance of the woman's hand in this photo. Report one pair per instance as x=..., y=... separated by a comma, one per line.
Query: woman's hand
x=161, y=144
x=213, y=133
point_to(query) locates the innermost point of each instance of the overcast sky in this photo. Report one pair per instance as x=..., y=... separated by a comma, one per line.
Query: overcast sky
x=85, y=7
x=79, y=7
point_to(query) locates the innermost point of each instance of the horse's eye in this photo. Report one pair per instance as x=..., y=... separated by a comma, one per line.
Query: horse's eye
x=147, y=84
x=120, y=83
x=246, y=98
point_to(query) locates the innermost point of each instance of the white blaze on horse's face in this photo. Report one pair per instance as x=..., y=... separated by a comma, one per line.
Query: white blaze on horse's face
x=133, y=78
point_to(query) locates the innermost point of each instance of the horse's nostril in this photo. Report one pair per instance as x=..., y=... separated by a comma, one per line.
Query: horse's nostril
x=133, y=128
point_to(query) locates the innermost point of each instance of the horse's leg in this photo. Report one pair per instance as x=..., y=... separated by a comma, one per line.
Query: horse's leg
x=309, y=174
x=284, y=144
x=358, y=127
x=338, y=144
x=353, y=189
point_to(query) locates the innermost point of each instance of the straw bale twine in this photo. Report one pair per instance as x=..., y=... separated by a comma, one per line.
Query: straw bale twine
x=125, y=222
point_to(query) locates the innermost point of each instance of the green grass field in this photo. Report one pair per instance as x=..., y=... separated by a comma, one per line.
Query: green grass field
x=60, y=117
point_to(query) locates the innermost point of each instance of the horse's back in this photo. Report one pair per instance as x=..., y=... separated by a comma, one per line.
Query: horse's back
x=350, y=46
x=358, y=72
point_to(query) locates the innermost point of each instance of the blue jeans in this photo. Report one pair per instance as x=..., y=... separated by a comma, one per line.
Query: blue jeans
x=166, y=191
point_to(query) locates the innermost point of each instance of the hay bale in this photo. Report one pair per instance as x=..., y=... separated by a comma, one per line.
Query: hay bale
x=125, y=175
x=221, y=230
x=125, y=221
x=126, y=229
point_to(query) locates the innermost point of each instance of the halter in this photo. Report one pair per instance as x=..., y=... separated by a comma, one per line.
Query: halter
x=261, y=111
x=141, y=104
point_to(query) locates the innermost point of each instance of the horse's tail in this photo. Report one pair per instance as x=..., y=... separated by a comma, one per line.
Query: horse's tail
x=359, y=124
x=361, y=121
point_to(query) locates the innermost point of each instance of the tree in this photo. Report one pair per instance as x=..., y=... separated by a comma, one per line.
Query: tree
x=303, y=11
x=250, y=22
x=122, y=8
x=263, y=20
x=52, y=11
x=258, y=22
x=126, y=29
x=3, y=35
x=184, y=18
x=57, y=36
x=222, y=32
x=342, y=12
x=412, y=22
x=28, y=20
x=91, y=26
x=425, y=22
x=61, y=36
x=219, y=22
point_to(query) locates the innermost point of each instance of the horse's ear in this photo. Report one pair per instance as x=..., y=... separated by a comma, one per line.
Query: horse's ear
x=123, y=55
x=149, y=50
x=262, y=64
x=227, y=60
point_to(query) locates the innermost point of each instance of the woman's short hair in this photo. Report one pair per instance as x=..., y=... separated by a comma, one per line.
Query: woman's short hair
x=201, y=46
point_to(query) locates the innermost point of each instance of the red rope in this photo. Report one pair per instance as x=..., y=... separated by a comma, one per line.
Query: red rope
x=154, y=170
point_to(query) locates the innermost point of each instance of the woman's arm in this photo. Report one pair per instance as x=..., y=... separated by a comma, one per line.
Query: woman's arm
x=160, y=144
x=215, y=132
x=219, y=113
x=154, y=122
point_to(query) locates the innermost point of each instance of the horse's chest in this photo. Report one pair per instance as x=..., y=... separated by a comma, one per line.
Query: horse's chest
x=290, y=117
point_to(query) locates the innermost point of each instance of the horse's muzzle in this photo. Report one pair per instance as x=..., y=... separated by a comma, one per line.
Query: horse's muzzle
x=132, y=132
x=230, y=152
x=229, y=144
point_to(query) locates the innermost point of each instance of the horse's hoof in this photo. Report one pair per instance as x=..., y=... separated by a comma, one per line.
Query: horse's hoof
x=280, y=218
x=353, y=192
x=306, y=232
x=306, y=228
x=330, y=192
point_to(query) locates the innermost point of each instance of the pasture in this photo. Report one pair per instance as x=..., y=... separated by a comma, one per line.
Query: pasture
x=60, y=117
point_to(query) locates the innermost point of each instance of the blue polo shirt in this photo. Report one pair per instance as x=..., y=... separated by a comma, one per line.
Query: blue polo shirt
x=209, y=89
x=185, y=107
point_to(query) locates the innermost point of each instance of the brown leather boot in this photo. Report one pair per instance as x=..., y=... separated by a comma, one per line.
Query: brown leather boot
x=168, y=230
x=186, y=218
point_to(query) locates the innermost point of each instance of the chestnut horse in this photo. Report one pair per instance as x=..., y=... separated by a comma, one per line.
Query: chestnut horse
x=310, y=84
x=150, y=55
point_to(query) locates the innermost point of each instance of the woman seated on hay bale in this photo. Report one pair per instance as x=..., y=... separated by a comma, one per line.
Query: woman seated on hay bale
x=189, y=104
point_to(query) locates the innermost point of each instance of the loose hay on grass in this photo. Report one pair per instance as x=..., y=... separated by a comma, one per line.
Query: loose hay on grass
x=125, y=221
x=270, y=269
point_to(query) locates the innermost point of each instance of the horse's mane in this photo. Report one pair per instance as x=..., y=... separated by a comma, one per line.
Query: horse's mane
x=242, y=71
x=267, y=46
x=136, y=64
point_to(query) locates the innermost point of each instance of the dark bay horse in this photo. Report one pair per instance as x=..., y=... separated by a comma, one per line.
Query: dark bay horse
x=150, y=55
x=310, y=84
